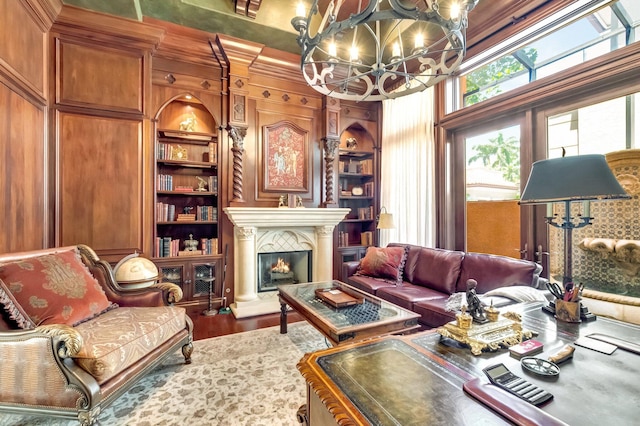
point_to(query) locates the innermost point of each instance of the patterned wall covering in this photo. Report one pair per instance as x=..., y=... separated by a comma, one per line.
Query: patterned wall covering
x=617, y=220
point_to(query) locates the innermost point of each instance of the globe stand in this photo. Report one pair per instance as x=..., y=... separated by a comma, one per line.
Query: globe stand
x=211, y=311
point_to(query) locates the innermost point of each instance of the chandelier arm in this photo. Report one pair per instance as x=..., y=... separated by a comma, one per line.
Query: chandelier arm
x=368, y=77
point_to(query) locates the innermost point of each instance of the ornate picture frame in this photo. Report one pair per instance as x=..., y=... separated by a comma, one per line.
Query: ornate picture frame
x=285, y=158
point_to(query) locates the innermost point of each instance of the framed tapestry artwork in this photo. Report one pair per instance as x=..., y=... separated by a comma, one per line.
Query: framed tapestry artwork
x=285, y=158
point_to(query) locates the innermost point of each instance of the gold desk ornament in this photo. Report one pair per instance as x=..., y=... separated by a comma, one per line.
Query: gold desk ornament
x=504, y=332
x=464, y=320
x=492, y=313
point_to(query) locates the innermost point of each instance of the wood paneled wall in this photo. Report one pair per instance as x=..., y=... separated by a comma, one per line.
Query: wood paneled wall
x=24, y=180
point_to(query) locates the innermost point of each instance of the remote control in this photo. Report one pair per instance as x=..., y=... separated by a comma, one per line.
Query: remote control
x=500, y=376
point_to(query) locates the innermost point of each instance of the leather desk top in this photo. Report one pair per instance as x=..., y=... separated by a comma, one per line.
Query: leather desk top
x=418, y=379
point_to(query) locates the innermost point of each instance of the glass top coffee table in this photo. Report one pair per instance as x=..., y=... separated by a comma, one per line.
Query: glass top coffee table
x=352, y=316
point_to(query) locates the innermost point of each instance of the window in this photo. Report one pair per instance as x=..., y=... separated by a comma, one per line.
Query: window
x=577, y=40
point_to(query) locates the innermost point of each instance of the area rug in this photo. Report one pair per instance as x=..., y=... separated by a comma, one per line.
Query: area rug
x=244, y=379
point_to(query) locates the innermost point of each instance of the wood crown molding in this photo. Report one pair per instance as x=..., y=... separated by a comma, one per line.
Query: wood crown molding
x=44, y=12
x=108, y=29
x=184, y=44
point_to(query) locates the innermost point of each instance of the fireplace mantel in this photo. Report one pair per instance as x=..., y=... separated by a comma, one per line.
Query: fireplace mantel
x=254, y=225
x=278, y=217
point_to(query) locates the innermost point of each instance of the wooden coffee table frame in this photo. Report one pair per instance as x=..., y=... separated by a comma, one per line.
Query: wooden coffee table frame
x=392, y=319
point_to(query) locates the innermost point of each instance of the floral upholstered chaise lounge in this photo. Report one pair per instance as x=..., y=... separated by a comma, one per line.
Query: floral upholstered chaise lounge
x=72, y=340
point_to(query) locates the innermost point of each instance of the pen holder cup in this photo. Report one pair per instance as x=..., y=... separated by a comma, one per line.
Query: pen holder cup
x=568, y=311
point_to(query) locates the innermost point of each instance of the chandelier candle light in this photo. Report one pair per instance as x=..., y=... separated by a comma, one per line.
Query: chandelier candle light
x=380, y=49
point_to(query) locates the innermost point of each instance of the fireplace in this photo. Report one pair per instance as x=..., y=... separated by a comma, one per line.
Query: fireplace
x=276, y=268
x=278, y=230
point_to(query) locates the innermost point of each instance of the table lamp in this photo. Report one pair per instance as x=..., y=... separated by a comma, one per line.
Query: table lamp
x=385, y=220
x=580, y=178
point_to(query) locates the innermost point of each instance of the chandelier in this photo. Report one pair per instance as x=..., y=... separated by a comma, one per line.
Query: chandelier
x=380, y=49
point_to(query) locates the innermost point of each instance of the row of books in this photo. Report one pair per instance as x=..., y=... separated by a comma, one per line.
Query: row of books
x=170, y=247
x=165, y=183
x=343, y=239
x=366, y=239
x=364, y=167
x=208, y=213
x=167, y=213
x=365, y=213
x=167, y=151
x=209, y=245
x=166, y=247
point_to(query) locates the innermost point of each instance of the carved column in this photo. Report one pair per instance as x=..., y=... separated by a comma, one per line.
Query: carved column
x=245, y=264
x=324, y=253
x=330, y=147
x=331, y=142
x=237, y=135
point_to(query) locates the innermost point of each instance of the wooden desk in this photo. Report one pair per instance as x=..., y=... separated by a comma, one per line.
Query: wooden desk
x=418, y=379
x=374, y=317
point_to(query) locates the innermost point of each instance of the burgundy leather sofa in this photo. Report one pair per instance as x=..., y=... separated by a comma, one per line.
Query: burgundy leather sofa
x=431, y=275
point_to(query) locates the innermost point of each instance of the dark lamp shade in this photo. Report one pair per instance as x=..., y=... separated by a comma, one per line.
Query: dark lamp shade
x=580, y=177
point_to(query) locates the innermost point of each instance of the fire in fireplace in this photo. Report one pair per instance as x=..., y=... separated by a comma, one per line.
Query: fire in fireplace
x=278, y=268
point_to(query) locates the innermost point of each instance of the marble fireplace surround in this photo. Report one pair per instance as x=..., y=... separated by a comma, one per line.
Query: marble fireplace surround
x=273, y=229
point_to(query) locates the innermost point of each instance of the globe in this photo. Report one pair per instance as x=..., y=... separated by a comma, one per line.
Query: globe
x=134, y=271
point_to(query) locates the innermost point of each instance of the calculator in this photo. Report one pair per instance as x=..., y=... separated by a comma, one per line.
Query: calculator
x=500, y=376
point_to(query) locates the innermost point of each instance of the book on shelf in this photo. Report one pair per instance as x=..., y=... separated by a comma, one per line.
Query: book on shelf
x=183, y=188
x=165, y=212
x=207, y=213
x=365, y=213
x=190, y=253
x=186, y=217
x=213, y=184
x=343, y=239
x=164, y=182
x=209, y=245
x=368, y=189
x=366, y=238
x=366, y=167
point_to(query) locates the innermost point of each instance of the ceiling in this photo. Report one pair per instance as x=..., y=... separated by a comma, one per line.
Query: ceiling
x=268, y=22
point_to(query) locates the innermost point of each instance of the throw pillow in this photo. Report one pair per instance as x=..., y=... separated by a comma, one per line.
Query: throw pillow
x=387, y=262
x=51, y=289
x=518, y=293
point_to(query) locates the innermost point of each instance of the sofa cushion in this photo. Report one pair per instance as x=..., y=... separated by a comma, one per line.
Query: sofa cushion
x=493, y=271
x=369, y=284
x=408, y=294
x=383, y=262
x=413, y=252
x=117, y=339
x=433, y=313
x=51, y=289
x=438, y=269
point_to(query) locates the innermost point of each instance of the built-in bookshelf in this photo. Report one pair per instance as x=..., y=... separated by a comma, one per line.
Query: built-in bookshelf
x=357, y=192
x=186, y=194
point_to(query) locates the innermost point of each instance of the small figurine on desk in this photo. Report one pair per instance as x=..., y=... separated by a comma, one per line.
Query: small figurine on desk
x=282, y=201
x=299, y=201
x=475, y=306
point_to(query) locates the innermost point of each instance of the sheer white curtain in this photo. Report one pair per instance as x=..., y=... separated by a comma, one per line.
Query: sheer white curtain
x=407, y=181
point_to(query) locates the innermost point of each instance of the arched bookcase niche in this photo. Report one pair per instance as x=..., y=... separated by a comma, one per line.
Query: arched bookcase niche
x=358, y=190
x=186, y=202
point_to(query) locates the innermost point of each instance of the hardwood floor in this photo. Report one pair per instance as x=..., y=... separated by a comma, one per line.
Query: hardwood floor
x=223, y=324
